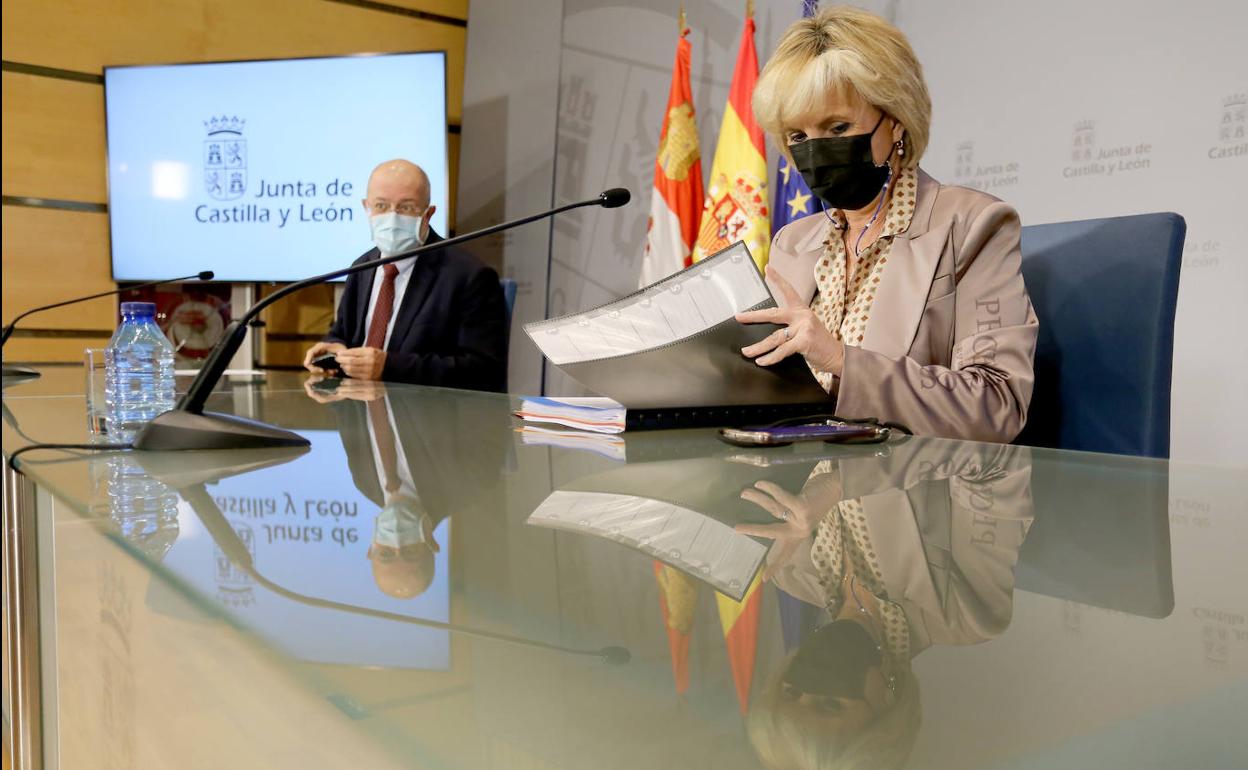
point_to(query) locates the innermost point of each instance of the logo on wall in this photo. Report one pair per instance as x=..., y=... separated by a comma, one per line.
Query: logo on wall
x=963, y=166
x=991, y=175
x=1084, y=143
x=1232, y=129
x=1234, y=124
x=225, y=158
x=234, y=586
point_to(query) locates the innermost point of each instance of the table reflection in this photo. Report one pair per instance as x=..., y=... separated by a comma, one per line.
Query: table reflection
x=877, y=555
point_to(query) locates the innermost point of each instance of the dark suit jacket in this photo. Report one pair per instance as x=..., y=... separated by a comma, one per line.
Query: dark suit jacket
x=450, y=329
x=451, y=476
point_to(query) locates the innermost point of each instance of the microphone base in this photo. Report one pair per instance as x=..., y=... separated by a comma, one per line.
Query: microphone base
x=16, y=373
x=183, y=431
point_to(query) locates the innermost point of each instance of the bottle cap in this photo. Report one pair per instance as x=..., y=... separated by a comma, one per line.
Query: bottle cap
x=138, y=308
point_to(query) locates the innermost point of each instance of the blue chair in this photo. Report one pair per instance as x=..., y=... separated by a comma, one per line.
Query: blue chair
x=509, y=296
x=1104, y=291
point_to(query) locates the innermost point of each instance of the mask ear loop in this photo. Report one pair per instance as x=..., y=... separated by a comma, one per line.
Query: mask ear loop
x=883, y=196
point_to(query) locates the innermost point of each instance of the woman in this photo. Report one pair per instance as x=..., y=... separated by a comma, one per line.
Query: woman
x=902, y=551
x=904, y=295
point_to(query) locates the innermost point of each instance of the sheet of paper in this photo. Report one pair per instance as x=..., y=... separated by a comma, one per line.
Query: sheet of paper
x=694, y=543
x=673, y=309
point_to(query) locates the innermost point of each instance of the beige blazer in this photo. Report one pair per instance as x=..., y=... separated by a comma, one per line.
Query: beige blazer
x=950, y=342
x=946, y=521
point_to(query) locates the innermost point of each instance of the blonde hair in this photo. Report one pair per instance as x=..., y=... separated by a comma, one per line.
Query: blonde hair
x=851, y=53
x=785, y=737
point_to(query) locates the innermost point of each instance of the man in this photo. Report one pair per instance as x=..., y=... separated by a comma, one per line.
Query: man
x=436, y=319
x=398, y=460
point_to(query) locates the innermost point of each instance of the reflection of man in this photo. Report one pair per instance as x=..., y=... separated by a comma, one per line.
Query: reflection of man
x=399, y=460
x=436, y=319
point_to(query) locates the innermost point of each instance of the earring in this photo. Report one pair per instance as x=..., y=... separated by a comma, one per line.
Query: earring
x=901, y=147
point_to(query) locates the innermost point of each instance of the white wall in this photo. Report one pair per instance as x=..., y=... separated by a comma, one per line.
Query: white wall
x=1012, y=83
x=1021, y=82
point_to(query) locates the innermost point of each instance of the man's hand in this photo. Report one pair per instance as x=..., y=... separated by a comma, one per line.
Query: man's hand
x=318, y=350
x=354, y=390
x=803, y=332
x=362, y=363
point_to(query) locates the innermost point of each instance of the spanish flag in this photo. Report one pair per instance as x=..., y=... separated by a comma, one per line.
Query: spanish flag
x=678, y=599
x=740, y=623
x=676, y=205
x=736, y=203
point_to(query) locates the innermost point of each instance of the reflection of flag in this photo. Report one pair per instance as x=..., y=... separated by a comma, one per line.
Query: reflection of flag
x=676, y=205
x=796, y=619
x=736, y=201
x=678, y=598
x=740, y=624
x=793, y=198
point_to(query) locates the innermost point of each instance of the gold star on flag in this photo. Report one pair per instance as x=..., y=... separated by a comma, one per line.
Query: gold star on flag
x=785, y=169
x=797, y=204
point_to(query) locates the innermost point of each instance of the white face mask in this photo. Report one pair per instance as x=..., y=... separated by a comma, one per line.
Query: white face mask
x=397, y=527
x=395, y=233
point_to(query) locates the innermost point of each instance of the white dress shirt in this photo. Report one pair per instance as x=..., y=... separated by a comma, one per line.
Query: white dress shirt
x=407, y=485
x=400, y=286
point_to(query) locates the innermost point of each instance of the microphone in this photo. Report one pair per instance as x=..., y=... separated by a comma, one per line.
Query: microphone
x=187, y=426
x=615, y=197
x=236, y=551
x=203, y=275
x=27, y=373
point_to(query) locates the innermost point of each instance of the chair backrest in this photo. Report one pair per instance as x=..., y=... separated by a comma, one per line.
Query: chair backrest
x=1104, y=291
x=509, y=296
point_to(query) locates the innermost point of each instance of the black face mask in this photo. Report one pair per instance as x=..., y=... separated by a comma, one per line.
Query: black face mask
x=841, y=169
x=834, y=661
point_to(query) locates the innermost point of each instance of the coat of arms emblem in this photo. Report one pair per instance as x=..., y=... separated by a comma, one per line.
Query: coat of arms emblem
x=225, y=158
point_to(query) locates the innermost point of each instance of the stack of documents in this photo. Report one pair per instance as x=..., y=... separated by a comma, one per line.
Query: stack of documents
x=609, y=445
x=600, y=415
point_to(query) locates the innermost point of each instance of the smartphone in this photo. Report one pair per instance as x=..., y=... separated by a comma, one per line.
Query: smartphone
x=328, y=385
x=845, y=433
x=329, y=363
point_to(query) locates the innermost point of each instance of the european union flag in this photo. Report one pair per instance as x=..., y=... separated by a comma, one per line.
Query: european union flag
x=793, y=198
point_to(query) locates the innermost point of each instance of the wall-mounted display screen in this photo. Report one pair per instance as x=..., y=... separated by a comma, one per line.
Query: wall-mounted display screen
x=257, y=170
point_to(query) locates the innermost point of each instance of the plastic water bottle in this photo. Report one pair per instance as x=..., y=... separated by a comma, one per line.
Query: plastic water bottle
x=138, y=375
x=143, y=509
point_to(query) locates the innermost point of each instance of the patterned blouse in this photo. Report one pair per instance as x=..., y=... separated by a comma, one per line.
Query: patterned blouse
x=844, y=305
x=843, y=549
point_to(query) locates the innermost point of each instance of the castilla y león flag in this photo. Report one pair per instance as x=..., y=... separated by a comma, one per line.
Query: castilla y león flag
x=676, y=205
x=736, y=201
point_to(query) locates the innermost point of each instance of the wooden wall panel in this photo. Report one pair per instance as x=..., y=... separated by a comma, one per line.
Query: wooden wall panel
x=51, y=255
x=169, y=31
x=53, y=139
x=455, y=8
x=452, y=151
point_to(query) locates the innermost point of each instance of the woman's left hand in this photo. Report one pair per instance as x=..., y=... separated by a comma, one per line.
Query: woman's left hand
x=803, y=332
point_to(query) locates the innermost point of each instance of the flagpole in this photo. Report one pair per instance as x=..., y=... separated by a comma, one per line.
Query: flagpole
x=681, y=30
x=749, y=9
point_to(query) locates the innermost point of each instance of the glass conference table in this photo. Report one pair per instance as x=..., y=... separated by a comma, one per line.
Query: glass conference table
x=428, y=587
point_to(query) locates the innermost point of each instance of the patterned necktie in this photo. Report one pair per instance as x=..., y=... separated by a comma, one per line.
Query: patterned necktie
x=382, y=311
x=379, y=416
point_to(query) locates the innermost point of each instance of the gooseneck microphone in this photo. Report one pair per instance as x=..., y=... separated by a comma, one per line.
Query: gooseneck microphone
x=203, y=275
x=188, y=426
x=235, y=550
x=26, y=373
